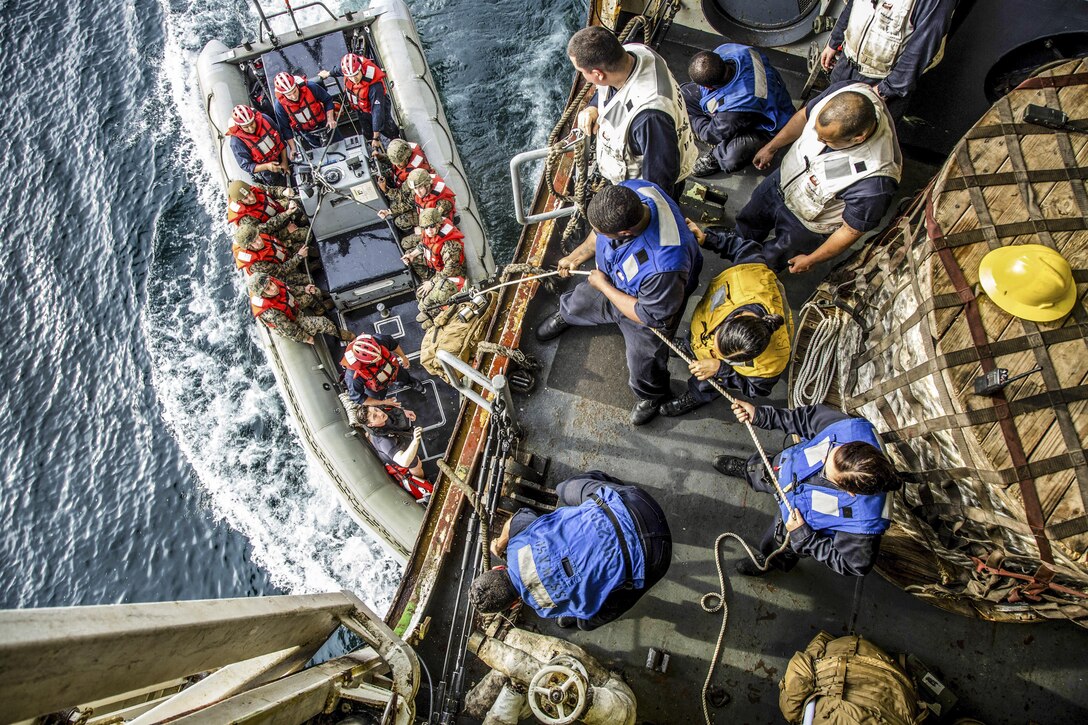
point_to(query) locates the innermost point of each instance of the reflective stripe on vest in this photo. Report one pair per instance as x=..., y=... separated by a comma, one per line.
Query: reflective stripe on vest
x=271, y=251
x=666, y=245
x=284, y=301
x=438, y=192
x=743, y=284
x=305, y=114
x=755, y=88
x=262, y=209
x=650, y=87
x=360, y=92
x=825, y=508
x=811, y=180
x=567, y=562
x=876, y=34
x=264, y=144
x=432, y=245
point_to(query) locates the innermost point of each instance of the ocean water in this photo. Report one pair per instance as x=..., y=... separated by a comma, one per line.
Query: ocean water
x=146, y=452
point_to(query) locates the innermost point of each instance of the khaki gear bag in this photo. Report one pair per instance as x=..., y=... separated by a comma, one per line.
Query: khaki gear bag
x=453, y=334
x=852, y=681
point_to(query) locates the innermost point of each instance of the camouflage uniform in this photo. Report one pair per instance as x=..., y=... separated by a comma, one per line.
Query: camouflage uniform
x=432, y=294
x=289, y=271
x=407, y=217
x=277, y=225
x=303, y=326
x=451, y=257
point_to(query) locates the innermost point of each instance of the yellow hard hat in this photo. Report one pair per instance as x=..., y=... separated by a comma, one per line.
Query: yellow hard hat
x=1030, y=281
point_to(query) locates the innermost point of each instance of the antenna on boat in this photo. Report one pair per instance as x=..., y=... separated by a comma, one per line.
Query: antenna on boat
x=266, y=25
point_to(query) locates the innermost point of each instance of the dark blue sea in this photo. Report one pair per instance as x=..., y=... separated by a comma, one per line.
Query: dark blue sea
x=146, y=455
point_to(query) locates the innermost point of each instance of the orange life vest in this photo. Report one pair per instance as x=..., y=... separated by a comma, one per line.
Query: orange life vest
x=305, y=114
x=439, y=191
x=416, y=161
x=432, y=245
x=271, y=251
x=262, y=209
x=413, y=484
x=264, y=144
x=359, y=92
x=284, y=301
x=376, y=375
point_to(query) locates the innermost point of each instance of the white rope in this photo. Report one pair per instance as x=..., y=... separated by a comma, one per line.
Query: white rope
x=813, y=380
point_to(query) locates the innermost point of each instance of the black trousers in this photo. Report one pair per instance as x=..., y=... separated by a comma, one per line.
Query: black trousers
x=653, y=534
x=756, y=477
x=766, y=211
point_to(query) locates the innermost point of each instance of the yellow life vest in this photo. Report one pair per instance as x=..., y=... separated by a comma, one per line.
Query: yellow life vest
x=743, y=284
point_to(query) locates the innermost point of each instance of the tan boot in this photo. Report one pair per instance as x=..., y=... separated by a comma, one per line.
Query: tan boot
x=346, y=335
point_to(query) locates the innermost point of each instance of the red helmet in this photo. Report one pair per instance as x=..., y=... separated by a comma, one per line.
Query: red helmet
x=364, y=350
x=243, y=115
x=351, y=64
x=285, y=83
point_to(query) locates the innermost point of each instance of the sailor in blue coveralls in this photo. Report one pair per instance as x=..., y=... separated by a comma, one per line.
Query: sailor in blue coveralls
x=737, y=102
x=585, y=563
x=648, y=264
x=837, y=480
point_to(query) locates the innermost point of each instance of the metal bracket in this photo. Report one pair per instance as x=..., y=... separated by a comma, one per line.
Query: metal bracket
x=515, y=181
x=454, y=368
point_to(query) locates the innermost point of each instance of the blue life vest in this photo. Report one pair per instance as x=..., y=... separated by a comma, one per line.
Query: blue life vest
x=566, y=563
x=756, y=88
x=666, y=245
x=826, y=508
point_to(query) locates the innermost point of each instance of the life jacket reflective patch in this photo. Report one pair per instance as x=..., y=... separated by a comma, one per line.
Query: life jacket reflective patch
x=262, y=209
x=305, y=114
x=825, y=508
x=284, y=301
x=433, y=244
x=811, y=179
x=666, y=245
x=737, y=286
x=755, y=88
x=270, y=251
x=264, y=144
x=376, y=375
x=359, y=92
x=417, y=160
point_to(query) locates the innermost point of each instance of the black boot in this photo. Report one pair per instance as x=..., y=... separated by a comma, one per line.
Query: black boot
x=731, y=466
x=679, y=406
x=747, y=567
x=706, y=165
x=643, y=412
x=551, y=328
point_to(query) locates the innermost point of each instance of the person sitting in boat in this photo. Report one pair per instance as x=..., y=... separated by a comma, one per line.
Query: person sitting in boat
x=737, y=102
x=364, y=86
x=375, y=366
x=584, y=564
x=740, y=330
x=302, y=108
x=429, y=191
x=437, y=248
x=648, y=264
x=433, y=295
x=836, y=480
x=888, y=46
x=390, y=432
x=835, y=183
x=404, y=157
x=257, y=145
x=268, y=209
x=289, y=314
x=259, y=253
x=639, y=118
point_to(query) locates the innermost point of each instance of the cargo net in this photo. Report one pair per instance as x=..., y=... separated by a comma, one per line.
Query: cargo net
x=992, y=522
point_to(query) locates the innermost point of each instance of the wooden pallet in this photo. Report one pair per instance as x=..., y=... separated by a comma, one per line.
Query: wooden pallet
x=1003, y=479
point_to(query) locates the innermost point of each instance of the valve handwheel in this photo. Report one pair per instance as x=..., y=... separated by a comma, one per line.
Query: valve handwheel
x=557, y=694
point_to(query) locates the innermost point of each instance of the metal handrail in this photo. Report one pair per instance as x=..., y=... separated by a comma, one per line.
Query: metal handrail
x=515, y=181
x=454, y=367
x=266, y=19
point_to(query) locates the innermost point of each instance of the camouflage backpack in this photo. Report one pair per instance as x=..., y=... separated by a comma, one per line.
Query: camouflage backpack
x=452, y=333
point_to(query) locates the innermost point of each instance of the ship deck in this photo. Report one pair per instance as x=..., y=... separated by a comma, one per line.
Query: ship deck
x=577, y=417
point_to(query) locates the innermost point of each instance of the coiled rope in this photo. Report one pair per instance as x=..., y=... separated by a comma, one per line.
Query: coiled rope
x=826, y=360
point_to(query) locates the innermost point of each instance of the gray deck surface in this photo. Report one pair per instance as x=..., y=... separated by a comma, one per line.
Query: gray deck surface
x=1003, y=673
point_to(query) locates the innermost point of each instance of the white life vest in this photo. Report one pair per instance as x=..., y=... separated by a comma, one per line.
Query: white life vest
x=876, y=34
x=650, y=87
x=811, y=180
